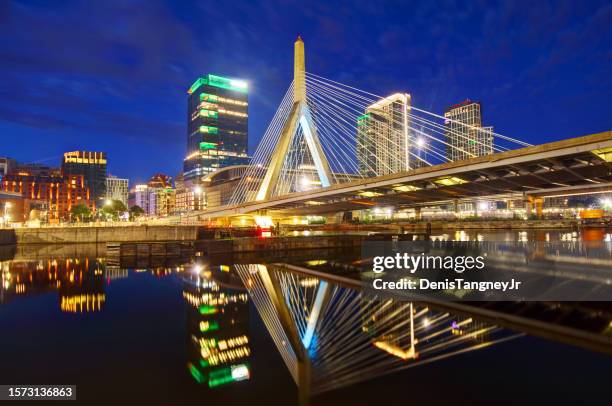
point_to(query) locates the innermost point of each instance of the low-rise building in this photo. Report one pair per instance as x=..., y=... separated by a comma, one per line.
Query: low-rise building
x=60, y=193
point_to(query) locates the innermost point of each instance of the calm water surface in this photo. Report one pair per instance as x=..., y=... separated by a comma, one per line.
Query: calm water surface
x=68, y=316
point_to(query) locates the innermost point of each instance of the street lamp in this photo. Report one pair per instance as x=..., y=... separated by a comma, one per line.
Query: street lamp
x=420, y=142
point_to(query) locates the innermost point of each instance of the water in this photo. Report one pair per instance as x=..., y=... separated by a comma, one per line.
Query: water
x=70, y=316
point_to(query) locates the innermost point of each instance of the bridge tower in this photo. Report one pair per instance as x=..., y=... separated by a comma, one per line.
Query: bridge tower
x=299, y=117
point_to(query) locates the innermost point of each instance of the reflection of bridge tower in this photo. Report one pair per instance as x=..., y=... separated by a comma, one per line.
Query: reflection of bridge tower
x=331, y=336
x=298, y=119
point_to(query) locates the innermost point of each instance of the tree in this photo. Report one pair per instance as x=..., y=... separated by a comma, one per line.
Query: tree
x=113, y=208
x=80, y=212
x=135, y=212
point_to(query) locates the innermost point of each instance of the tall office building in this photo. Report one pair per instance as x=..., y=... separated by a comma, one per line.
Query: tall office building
x=117, y=189
x=90, y=165
x=465, y=135
x=382, y=137
x=217, y=126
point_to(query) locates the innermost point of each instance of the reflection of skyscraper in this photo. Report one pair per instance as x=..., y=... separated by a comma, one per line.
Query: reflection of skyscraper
x=218, y=323
x=465, y=135
x=382, y=136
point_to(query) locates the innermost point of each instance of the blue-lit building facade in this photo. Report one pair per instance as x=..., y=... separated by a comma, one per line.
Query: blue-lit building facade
x=217, y=126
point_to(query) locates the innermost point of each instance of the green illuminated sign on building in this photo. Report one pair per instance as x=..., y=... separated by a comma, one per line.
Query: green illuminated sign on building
x=220, y=81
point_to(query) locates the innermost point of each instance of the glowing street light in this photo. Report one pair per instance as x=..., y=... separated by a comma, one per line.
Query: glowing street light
x=197, y=190
x=108, y=202
x=420, y=142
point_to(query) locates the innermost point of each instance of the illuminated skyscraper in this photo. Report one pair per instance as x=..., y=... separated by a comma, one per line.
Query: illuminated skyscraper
x=217, y=126
x=465, y=135
x=382, y=137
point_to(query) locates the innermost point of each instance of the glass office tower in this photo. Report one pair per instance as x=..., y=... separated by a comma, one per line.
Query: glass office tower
x=217, y=126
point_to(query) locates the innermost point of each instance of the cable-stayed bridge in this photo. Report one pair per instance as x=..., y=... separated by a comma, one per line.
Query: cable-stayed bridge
x=331, y=147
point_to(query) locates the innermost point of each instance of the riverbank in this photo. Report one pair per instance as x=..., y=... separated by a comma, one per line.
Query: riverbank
x=152, y=233
x=99, y=235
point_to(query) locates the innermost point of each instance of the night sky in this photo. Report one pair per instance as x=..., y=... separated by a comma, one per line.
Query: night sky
x=112, y=75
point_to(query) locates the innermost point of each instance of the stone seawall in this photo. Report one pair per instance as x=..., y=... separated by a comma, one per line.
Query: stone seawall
x=80, y=235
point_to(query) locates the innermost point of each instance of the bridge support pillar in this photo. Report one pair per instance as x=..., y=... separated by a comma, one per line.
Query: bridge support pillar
x=456, y=207
x=539, y=206
x=417, y=213
x=536, y=203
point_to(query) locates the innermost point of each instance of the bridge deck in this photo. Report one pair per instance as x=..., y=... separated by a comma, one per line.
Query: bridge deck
x=577, y=163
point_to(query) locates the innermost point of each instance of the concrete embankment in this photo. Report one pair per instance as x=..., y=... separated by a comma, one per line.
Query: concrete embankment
x=80, y=235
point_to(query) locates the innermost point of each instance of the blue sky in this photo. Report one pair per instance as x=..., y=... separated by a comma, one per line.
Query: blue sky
x=112, y=75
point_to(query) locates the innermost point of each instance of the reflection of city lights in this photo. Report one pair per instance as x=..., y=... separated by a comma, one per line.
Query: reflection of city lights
x=396, y=351
x=309, y=282
x=240, y=372
x=82, y=303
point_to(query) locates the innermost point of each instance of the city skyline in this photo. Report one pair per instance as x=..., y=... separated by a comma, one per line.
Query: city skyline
x=517, y=62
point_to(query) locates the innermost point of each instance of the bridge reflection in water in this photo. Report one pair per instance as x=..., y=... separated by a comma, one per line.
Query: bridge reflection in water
x=329, y=332
x=331, y=336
